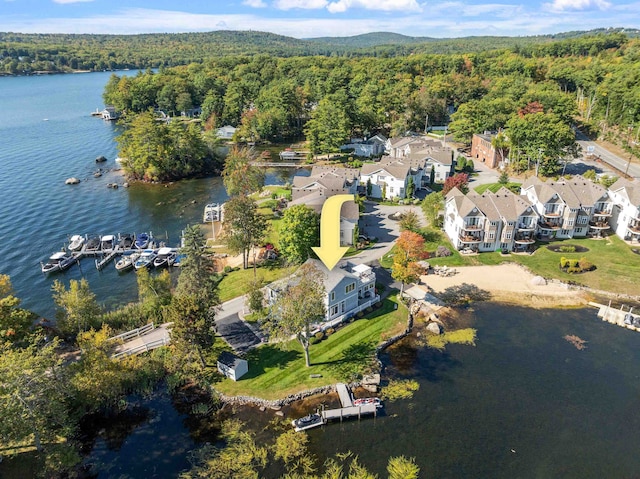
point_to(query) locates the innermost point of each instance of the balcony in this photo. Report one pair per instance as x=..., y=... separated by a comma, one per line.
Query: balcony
x=552, y=214
x=547, y=225
x=602, y=213
x=599, y=225
x=524, y=239
x=469, y=239
x=634, y=228
x=527, y=227
x=473, y=227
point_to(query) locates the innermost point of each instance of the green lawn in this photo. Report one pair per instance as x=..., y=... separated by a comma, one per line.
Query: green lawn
x=234, y=284
x=493, y=187
x=277, y=370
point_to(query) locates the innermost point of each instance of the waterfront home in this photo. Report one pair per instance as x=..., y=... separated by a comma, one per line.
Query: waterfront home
x=625, y=218
x=350, y=288
x=569, y=208
x=501, y=221
x=226, y=132
x=387, y=180
x=436, y=161
x=110, y=113
x=366, y=147
x=232, y=366
x=324, y=182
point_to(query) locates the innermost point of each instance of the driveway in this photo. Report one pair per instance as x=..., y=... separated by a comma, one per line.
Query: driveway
x=233, y=329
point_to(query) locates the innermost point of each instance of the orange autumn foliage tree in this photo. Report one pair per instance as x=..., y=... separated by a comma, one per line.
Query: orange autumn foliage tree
x=409, y=250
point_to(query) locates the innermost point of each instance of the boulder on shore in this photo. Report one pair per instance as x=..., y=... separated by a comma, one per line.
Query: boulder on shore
x=434, y=328
x=101, y=159
x=72, y=181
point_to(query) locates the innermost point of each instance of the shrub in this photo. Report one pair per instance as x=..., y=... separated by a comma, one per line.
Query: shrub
x=586, y=265
x=573, y=270
x=227, y=269
x=442, y=251
x=274, y=196
x=567, y=249
x=314, y=340
x=564, y=263
x=360, y=314
x=378, y=304
x=573, y=263
x=329, y=331
x=369, y=310
x=319, y=335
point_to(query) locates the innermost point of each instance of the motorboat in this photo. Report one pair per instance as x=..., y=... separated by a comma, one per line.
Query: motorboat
x=213, y=212
x=126, y=262
x=365, y=401
x=58, y=262
x=142, y=240
x=92, y=244
x=107, y=243
x=307, y=422
x=145, y=260
x=165, y=257
x=179, y=259
x=75, y=242
x=125, y=241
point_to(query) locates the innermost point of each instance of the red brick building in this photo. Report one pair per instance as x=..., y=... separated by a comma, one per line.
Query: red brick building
x=481, y=149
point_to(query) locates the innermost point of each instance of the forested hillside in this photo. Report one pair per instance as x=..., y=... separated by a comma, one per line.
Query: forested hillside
x=536, y=93
x=28, y=53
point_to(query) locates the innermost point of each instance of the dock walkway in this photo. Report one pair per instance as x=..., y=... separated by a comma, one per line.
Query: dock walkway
x=617, y=316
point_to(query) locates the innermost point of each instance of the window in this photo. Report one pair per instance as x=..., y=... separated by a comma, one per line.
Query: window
x=342, y=307
x=350, y=287
x=582, y=220
x=570, y=223
x=491, y=235
x=334, y=310
x=578, y=230
x=391, y=189
x=564, y=232
x=508, y=235
x=333, y=295
x=487, y=245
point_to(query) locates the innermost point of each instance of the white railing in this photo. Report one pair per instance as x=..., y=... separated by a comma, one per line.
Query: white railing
x=134, y=333
x=143, y=348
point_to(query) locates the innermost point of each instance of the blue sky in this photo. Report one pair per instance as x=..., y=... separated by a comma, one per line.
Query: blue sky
x=315, y=18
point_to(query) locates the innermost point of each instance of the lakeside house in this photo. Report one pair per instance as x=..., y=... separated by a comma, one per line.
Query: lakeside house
x=109, y=113
x=226, y=132
x=366, y=147
x=350, y=288
x=324, y=182
x=232, y=366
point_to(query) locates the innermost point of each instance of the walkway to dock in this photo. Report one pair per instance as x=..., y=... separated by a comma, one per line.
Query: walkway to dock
x=347, y=409
x=344, y=394
x=278, y=164
x=141, y=340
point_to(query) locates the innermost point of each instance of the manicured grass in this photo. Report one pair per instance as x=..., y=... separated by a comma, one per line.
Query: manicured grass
x=234, y=284
x=494, y=187
x=277, y=370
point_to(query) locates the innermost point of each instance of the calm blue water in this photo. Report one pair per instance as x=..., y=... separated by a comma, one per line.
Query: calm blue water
x=38, y=212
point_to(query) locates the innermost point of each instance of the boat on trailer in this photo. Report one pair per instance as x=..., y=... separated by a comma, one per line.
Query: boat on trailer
x=166, y=257
x=126, y=262
x=76, y=242
x=145, y=260
x=58, y=262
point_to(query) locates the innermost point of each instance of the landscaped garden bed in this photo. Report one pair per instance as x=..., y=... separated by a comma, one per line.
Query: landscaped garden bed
x=567, y=248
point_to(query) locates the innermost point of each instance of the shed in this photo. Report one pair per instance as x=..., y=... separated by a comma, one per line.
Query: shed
x=232, y=366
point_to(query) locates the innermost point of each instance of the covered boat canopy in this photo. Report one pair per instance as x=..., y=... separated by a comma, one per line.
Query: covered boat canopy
x=108, y=238
x=58, y=256
x=165, y=251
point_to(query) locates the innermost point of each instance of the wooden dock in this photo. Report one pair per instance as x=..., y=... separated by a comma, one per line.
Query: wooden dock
x=278, y=164
x=108, y=258
x=345, y=395
x=617, y=316
x=351, y=411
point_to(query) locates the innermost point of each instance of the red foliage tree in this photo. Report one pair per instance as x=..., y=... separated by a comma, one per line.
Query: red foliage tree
x=532, y=107
x=460, y=180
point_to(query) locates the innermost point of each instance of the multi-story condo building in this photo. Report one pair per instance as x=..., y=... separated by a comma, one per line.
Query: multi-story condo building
x=569, y=208
x=499, y=221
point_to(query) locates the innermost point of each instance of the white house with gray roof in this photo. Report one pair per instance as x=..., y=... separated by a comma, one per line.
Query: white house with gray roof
x=350, y=288
x=625, y=219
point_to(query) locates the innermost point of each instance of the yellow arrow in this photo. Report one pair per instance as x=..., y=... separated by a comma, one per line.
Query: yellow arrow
x=330, y=251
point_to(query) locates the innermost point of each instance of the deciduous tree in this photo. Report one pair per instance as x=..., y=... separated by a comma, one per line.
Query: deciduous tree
x=239, y=176
x=15, y=322
x=244, y=227
x=78, y=309
x=432, y=204
x=299, y=231
x=459, y=180
x=300, y=304
x=409, y=250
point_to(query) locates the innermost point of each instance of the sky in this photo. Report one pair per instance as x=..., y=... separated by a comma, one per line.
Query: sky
x=318, y=18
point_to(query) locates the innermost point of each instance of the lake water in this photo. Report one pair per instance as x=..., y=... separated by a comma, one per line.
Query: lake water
x=47, y=136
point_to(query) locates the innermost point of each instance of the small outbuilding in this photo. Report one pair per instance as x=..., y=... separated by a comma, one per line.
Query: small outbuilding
x=232, y=366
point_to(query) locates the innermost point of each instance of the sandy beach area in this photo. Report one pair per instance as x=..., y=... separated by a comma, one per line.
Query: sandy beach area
x=508, y=283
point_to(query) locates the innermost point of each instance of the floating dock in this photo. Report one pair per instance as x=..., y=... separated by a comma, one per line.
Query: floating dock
x=617, y=316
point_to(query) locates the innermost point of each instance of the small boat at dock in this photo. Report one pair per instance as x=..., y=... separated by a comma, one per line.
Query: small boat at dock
x=213, y=212
x=107, y=243
x=145, y=260
x=58, y=262
x=92, y=244
x=179, y=259
x=126, y=262
x=166, y=257
x=363, y=401
x=142, y=240
x=307, y=422
x=125, y=241
x=76, y=242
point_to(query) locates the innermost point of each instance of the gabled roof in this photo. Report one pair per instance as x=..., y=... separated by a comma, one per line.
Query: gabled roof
x=627, y=189
x=229, y=359
x=502, y=205
x=315, y=199
x=396, y=170
x=575, y=192
x=464, y=204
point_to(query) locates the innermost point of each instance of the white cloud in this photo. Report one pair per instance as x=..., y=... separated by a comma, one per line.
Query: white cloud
x=303, y=4
x=573, y=5
x=254, y=3
x=70, y=1
x=384, y=5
